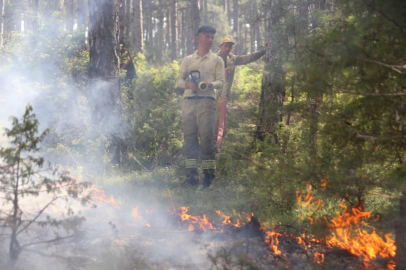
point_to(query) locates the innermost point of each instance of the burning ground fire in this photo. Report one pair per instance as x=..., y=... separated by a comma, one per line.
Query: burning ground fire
x=348, y=232
x=347, y=229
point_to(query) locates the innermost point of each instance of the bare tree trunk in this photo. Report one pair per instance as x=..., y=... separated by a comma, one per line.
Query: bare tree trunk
x=168, y=29
x=104, y=69
x=257, y=24
x=174, y=30
x=128, y=14
x=229, y=11
x=160, y=33
x=137, y=33
x=104, y=60
x=206, y=12
x=122, y=22
x=236, y=26
x=70, y=6
x=184, y=32
x=252, y=26
x=2, y=5
x=273, y=83
x=194, y=22
x=400, y=232
x=35, y=16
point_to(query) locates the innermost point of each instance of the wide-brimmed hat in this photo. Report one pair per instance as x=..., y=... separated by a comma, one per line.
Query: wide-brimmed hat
x=227, y=40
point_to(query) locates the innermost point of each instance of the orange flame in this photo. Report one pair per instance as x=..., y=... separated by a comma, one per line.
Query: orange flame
x=100, y=196
x=349, y=232
x=273, y=241
x=319, y=257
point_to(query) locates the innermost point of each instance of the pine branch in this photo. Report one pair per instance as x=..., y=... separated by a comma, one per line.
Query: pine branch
x=46, y=241
x=385, y=16
x=394, y=68
x=399, y=94
x=38, y=215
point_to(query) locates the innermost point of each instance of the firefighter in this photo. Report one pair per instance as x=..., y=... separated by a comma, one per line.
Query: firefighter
x=230, y=62
x=198, y=106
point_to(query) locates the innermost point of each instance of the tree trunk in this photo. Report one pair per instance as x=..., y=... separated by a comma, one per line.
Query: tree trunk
x=206, y=12
x=174, y=31
x=137, y=33
x=229, y=11
x=160, y=33
x=236, y=27
x=194, y=22
x=70, y=6
x=400, y=232
x=2, y=5
x=104, y=61
x=257, y=25
x=104, y=88
x=184, y=32
x=122, y=22
x=273, y=82
x=168, y=29
x=252, y=26
x=128, y=14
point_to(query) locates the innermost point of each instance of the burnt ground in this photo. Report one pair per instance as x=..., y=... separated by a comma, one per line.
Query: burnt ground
x=112, y=240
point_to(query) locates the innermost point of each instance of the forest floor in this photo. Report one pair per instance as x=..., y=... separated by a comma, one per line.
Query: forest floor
x=143, y=229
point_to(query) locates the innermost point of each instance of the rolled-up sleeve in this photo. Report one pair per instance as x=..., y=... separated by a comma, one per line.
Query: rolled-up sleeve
x=219, y=80
x=180, y=81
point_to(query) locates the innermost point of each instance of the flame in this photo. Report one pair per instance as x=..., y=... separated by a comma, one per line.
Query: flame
x=350, y=234
x=273, y=241
x=100, y=196
x=226, y=218
x=195, y=222
x=319, y=257
x=135, y=212
x=348, y=231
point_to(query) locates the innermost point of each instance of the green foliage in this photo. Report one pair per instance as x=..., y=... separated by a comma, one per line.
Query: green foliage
x=153, y=115
x=23, y=177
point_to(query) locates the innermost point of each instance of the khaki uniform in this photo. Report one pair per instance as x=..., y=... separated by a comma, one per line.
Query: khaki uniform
x=238, y=60
x=198, y=109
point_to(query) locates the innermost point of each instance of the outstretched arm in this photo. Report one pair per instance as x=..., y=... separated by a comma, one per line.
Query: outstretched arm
x=246, y=59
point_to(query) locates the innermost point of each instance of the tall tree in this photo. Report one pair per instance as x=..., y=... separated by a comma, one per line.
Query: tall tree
x=104, y=68
x=184, y=32
x=193, y=25
x=69, y=7
x=159, y=32
x=122, y=20
x=138, y=27
x=236, y=26
x=273, y=82
x=174, y=30
x=257, y=24
x=2, y=5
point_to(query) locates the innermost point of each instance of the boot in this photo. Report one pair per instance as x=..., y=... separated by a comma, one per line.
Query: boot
x=192, y=178
x=209, y=175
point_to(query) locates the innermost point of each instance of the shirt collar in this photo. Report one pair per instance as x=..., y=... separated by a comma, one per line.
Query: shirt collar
x=195, y=55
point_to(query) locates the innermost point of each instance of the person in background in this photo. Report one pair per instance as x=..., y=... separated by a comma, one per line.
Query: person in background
x=198, y=107
x=230, y=63
x=126, y=63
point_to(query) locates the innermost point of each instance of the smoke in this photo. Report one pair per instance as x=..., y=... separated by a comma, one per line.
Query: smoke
x=44, y=69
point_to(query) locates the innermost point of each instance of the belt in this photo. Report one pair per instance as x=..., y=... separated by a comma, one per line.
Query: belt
x=200, y=97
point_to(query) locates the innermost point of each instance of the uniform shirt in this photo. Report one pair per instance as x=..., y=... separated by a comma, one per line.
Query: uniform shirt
x=211, y=68
x=235, y=60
